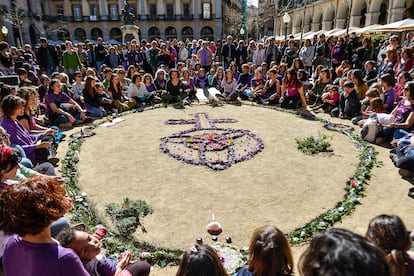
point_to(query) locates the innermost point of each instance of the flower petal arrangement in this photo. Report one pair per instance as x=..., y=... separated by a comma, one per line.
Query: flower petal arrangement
x=208, y=145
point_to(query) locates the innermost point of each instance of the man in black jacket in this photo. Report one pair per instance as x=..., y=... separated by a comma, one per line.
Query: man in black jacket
x=228, y=52
x=100, y=53
x=47, y=57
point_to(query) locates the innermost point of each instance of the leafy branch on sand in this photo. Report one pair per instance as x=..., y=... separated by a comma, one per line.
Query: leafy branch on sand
x=314, y=145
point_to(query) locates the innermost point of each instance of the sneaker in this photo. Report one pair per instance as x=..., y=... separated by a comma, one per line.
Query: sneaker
x=379, y=140
x=54, y=161
x=140, y=109
x=237, y=103
x=405, y=173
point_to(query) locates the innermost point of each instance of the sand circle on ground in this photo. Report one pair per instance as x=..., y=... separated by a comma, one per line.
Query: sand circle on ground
x=279, y=185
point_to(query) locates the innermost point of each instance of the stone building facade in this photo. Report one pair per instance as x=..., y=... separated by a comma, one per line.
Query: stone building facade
x=89, y=19
x=315, y=15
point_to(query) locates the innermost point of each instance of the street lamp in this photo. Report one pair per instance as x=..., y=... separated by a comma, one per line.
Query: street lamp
x=286, y=20
x=4, y=31
x=242, y=32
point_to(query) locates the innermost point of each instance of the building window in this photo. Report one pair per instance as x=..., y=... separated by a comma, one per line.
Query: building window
x=77, y=12
x=59, y=11
x=80, y=34
x=186, y=10
x=153, y=11
x=206, y=11
x=271, y=1
x=153, y=33
x=95, y=33
x=113, y=12
x=170, y=10
x=94, y=10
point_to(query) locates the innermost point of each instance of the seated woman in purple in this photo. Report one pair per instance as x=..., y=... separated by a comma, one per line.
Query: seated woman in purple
x=27, y=210
x=188, y=84
x=36, y=149
x=404, y=117
x=62, y=110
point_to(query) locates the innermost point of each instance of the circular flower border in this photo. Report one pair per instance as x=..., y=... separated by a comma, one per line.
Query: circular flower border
x=85, y=211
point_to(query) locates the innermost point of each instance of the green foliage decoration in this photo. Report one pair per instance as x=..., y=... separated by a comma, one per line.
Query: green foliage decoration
x=313, y=145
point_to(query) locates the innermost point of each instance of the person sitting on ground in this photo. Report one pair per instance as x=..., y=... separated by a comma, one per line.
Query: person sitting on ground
x=389, y=93
x=27, y=210
x=104, y=99
x=370, y=72
x=404, y=117
x=269, y=254
x=62, y=110
x=405, y=156
x=365, y=106
x=329, y=99
x=292, y=91
x=314, y=95
x=202, y=260
x=138, y=91
x=188, y=84
x=229, y=86
x=77, y=88
x=201, y=81
x=348, y=102
x=218, y=78
x=36, y=146
x=257, y=84
x=390, y=234
x=45, y=168
x=120, y=101
x=402, y=79
x=91, y=99
x=243, y=82
x=87, y=247
x=360, y=86
x=341, y=252
x=175, y=90
x=271, y=90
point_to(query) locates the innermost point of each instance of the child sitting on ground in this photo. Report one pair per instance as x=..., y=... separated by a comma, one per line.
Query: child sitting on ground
x=329, y=99
x=87, y=247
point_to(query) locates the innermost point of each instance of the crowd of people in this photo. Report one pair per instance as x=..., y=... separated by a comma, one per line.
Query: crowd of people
x=68, y=85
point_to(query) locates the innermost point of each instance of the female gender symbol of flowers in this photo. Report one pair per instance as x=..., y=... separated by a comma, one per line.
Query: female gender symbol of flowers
x=207, y=145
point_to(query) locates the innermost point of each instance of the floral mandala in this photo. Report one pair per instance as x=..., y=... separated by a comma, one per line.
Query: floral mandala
x=207, y=145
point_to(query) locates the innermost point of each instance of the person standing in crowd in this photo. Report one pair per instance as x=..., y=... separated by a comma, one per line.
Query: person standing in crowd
x=182, y=52
x=70, y=60
x=47, y=57
x=153, y=54
x=100, y=54
x=272, y=52
x=228, y=52
x=193, y=49
x=241, y=55
x=306, y=53
x=205, y=56
x=321, y=51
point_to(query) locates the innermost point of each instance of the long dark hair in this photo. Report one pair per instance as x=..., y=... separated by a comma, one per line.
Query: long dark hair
x=269, y=252
x=391, y=235
x=202, y=260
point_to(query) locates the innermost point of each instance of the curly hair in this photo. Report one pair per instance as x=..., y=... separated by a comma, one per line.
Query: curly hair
x=28, y=207
x=10, y=103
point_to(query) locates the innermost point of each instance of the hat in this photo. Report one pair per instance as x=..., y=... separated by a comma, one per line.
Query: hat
x=42, y=39
x=349, y=84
